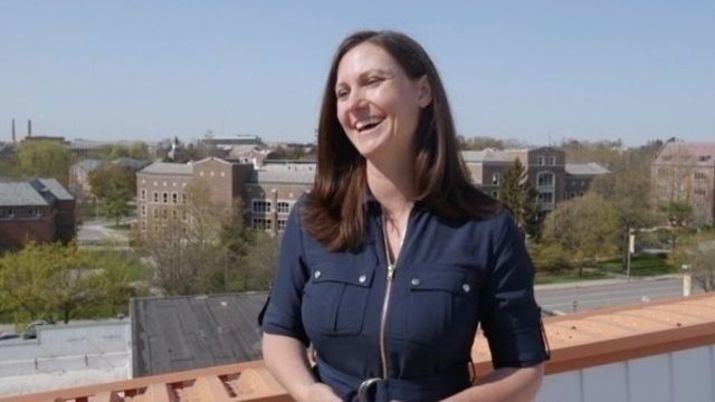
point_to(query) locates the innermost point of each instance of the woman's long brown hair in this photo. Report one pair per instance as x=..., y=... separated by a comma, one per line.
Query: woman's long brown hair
x=333, y=212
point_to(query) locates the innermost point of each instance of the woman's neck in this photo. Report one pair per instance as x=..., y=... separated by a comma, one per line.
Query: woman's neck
x=392, y=185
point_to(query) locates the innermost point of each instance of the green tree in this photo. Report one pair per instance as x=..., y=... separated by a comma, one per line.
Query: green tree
x=53, y=281
x=586, y=227
x=521, y=198
x=481, y=142
x=137, y=150
x=114, y=187
x=185, y=251
x=43, y=159
x=697, y=251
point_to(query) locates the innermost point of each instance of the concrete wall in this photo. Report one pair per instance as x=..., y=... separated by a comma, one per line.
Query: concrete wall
x=683, y=376
x=64, y=356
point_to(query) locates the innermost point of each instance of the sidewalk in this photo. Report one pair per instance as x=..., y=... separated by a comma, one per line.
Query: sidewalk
x=604, y=282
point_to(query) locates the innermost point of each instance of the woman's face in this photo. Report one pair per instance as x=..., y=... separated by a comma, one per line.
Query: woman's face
x=378, y=105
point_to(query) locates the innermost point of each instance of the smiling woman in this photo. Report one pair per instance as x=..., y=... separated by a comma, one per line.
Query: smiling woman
x=394, y=258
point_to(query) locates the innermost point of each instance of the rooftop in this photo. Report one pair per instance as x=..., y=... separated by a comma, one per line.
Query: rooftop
x=31, y=193
x=585, y=169
x=179, y=333
x=492, y=155
x=166, y=168
x=577, y=341
x=690, y=153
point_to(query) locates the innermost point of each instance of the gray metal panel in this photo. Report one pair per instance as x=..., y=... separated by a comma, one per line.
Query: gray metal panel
x=585, y=169
x=181, y=333
x=20, y=194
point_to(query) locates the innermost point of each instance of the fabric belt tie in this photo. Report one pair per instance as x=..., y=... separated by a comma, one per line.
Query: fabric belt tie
x=430, y=388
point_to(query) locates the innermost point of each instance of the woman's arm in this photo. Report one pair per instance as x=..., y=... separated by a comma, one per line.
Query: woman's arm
x=504, y=385
x=287, y=360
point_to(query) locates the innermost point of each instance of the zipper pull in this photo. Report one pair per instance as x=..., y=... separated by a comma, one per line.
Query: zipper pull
x=390, y=271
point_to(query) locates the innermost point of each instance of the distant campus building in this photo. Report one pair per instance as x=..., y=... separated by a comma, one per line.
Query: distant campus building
x=267, y=193
x=38, y=210
x=685, y=173
x=546, y=170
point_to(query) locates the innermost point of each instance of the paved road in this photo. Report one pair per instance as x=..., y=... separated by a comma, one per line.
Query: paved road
x=96, y=231
x=608, y=293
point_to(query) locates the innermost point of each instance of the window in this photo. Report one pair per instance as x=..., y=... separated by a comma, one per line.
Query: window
x=551, y=161
x=283, y=207
x=281, y=224
x=700, y=191
x=156, y=196
x=545, y=179
x=10, y=212
x=165, y=197
x=174, y=198
x=143, y=210
x=540, y=160
x=183, y=198
x=495, y=179
x=143, y=225
x=184, y=216
x=700, y=176
x=261, y=223
x=143, y=194
x=261, y=206
x=174, y=214
x=546, y=198
x=704, y=158
x=155, y=213
x=494, y=194
x=164, y=214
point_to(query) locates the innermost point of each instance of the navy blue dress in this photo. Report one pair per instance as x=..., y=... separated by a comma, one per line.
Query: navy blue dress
x=450, y=276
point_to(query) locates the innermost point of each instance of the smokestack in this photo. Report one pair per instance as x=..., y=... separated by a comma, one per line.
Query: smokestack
x=29, y=128
x=13, y=131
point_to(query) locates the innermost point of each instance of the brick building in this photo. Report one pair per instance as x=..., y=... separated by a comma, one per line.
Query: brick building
x=546, y=170
x=37, y=210
x=685, y=172
x=267, y=194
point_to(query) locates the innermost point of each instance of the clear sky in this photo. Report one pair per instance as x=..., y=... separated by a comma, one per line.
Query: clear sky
x=536, y=71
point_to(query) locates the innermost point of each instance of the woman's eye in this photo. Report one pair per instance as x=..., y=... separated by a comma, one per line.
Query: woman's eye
x=373, y=80
x=341, y=94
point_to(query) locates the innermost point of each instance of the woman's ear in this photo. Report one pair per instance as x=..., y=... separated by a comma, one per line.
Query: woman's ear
x=424, y=92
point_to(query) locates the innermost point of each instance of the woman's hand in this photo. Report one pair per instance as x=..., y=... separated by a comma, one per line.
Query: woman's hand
x=319, y=392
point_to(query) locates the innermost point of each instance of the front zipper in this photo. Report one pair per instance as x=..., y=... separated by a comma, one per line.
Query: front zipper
x=388, y=290
x=383, y=318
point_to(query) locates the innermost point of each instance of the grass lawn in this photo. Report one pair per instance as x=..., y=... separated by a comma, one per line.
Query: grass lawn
x=641, y=265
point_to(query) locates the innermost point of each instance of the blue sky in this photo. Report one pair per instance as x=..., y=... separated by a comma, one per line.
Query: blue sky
x=536, y=71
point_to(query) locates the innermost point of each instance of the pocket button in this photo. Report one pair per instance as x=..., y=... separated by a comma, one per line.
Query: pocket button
x=466, y=288
x=362, y=278
x=415, y=282
x=317, y=274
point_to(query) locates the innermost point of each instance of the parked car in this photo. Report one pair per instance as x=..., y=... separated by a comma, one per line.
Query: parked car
x=8, y=335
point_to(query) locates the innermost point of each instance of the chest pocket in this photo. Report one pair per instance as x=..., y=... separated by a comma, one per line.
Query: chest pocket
x=336, y=297
x=443, y=304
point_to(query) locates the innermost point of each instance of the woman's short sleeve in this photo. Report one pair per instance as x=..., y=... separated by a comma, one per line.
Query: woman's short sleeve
x=281, y=314
x=510, y=317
